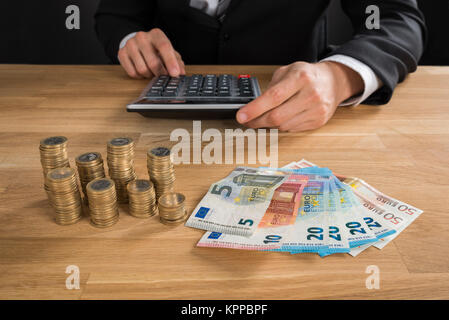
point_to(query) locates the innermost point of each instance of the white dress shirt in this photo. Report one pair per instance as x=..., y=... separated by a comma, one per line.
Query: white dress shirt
x=371, y=81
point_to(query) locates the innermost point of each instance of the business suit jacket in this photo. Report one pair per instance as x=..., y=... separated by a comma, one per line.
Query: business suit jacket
x=274, y=32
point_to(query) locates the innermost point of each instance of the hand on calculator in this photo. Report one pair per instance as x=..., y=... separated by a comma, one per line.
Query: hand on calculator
x=302, y=96
x=150, y=54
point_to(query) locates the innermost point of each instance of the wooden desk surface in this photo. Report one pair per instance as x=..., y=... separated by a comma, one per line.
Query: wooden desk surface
x=401, y=148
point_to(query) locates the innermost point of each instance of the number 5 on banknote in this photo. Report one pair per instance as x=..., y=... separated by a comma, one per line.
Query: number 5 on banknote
x=236, y=204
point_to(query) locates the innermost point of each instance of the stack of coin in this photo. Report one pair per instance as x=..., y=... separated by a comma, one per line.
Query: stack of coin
x=121, y=165
x=102, y=202
x=53, y=152
x=142, y=199
x=90, y=167
x=171, y=208
x=64, y=195
x=161, y=170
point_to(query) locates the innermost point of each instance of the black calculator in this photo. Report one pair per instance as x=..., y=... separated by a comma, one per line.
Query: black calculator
x=196, y=95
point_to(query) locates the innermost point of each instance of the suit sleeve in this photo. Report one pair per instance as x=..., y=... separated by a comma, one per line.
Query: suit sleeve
x=115, y=19
x=393, y=51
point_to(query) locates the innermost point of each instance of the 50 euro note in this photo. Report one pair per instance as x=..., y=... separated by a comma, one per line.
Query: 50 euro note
x=397, y=213
x=278, y=218
x=235, y=205
x=395, y=220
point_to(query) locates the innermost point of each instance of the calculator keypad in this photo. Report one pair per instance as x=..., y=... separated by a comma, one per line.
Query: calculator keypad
x=198, y=87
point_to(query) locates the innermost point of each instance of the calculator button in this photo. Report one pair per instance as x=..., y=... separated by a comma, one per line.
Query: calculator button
x=154, y=93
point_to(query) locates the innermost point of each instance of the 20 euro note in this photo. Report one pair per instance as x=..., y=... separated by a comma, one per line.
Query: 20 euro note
x=236, y=204
x=338, y=234
x=275, y=223
x=354, y=226
x=394, y=214
x=359, y=231
x=381, y=229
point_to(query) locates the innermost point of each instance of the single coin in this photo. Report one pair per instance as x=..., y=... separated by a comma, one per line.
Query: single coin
x=170, y=200
x=100, y=184
x=160, y=151
x=139, y=185
x=88, y=157
x=120, y=141
x=52, y=141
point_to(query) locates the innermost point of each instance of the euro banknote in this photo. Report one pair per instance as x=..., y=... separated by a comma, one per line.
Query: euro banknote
x=277, y=220
x=310, y=210
x=393, y=215
x=309, y=232
x=235, y=205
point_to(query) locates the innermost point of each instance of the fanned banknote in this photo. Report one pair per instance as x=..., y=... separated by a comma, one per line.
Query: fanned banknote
x=338, y=234
x=392, y=214
x=236, y=204
x=296, y=209
x=309, y=233
x=278, y=218
x=359, y=231
x=398, y=213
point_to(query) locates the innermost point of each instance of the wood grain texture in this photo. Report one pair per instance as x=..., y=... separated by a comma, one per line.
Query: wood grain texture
x=401, y=148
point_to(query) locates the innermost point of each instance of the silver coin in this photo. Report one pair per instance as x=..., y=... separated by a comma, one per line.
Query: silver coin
x=142, y=184
x=52, y=141
x=101, y=184
x=160, y=151
x=87, y=157
x=120, y=141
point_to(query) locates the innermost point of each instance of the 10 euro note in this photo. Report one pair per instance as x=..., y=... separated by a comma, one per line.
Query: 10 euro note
x=237, y=204
x=309, y=232
x=275, y=223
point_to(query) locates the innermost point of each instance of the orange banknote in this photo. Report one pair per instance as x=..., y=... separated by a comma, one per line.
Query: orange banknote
x=285, y=203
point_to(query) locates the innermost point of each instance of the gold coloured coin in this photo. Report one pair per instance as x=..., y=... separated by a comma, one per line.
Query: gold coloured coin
x=53, y=154
x=102, y=197
x=142, y=199
x=120, y=156
x=64, y=195
x=90, y=167
x=171, y=208
x=161, y=170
